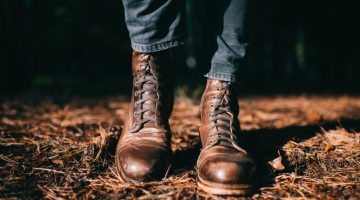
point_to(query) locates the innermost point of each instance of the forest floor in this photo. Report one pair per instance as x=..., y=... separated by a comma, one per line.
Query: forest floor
x=306, y=147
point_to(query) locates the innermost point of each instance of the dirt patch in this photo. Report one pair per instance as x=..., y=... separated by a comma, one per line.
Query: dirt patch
x=63, y=148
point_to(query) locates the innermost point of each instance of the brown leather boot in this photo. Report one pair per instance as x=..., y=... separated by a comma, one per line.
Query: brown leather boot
x=224, y=168
x=143, y=152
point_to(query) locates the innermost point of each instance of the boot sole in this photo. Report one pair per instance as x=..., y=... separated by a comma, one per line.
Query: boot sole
x=223, y=189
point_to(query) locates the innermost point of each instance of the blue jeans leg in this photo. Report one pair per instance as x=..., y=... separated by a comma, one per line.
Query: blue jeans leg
x=230, y=52
x=155, y=25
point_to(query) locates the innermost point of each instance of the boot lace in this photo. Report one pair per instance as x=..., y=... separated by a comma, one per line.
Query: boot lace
x=222, y=119
x=146, y=81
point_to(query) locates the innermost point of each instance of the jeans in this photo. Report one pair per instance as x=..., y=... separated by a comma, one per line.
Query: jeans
x=157, y=25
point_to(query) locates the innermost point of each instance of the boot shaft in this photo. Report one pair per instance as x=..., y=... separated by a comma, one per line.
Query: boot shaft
x=219, y=107
x=152, y=95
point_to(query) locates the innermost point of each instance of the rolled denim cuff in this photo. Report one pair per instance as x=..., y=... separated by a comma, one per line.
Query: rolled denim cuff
x=221, y=76
x=151, y=48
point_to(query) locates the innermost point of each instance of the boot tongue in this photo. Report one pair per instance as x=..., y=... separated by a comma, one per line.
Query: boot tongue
x=224, y=117
x=222, y=128
x=149, y=72
x=140, y=59
x=218, y=83
x=149, y=105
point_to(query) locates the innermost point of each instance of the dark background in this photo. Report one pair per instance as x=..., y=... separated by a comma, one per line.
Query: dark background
x=82, y=46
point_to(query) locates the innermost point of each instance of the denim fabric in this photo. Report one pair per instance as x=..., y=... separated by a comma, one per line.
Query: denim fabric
x=230, y=51
x=156, y=25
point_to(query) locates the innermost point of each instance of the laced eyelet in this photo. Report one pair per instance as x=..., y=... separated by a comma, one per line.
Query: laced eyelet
x=209, y=115
x=212, y=105
x=135, y=114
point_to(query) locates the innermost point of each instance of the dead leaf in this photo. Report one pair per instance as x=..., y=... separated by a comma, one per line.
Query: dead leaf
x=277, y=164
x=328, y=147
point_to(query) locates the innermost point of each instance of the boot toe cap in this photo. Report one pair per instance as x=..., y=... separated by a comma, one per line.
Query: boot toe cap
x=226, y=171
x=142, y=163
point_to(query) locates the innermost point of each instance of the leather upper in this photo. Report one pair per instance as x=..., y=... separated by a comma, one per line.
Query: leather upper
x=222, y=161
x=143, y=152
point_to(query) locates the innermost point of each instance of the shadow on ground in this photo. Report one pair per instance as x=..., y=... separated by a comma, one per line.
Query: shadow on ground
x=266, y=144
